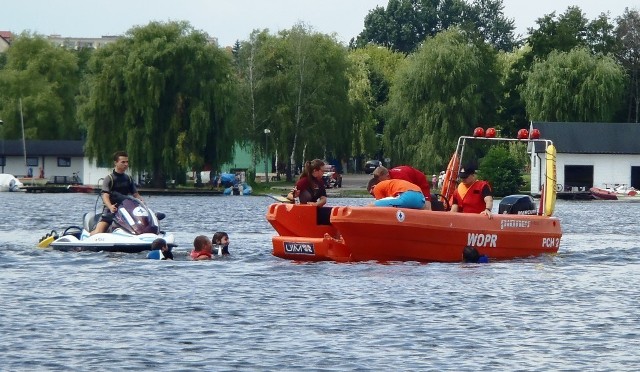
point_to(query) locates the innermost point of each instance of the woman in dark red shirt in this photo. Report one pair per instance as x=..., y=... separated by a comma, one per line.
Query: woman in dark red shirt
x=310, y=187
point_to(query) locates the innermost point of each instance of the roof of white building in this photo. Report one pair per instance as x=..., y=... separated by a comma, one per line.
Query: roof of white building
x=592, y=138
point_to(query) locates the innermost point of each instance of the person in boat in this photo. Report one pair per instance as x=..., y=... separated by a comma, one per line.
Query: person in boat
x=160, y=250
x=310, y=186
x=202, y=248
x=472, y=194
x=117, y=181
x=220, y=241
x=407, y=173
x=396, y=193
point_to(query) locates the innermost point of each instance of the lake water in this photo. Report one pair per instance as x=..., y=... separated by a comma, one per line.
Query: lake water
x=61, y=311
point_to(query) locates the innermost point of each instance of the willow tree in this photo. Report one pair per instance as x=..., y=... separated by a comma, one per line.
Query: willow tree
x=46, y=80
x=164, y=93
x=441, y=92
x=574, y=86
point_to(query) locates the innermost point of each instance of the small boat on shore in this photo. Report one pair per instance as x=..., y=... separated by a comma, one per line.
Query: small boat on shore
x=603, y=194
x=352, y=233
x=623, y=190
x=85, y=189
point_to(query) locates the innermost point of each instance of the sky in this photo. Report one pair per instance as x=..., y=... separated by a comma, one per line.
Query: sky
x=231, y=20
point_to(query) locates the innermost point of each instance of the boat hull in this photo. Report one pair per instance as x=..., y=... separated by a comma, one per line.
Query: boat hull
x=109, y=242
x=397, y=234
x=603, y=194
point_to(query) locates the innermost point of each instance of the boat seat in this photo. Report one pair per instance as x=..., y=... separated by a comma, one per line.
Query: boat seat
x=89, y=221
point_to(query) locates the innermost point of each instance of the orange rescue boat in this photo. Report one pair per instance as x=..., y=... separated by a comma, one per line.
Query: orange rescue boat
x=351, y=233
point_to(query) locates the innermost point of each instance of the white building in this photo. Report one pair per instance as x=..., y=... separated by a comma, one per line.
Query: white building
x=588, y=155
x=47, y=159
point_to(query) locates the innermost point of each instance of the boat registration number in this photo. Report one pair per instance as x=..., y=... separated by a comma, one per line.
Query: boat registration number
x=550, y=242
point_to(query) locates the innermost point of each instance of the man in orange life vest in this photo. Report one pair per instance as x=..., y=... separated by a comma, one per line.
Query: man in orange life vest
x=472, y=195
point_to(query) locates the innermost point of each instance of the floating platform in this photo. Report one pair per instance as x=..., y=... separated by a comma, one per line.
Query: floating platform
x=46, y=189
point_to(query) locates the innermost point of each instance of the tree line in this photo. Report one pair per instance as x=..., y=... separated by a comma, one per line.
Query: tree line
x=419, y=75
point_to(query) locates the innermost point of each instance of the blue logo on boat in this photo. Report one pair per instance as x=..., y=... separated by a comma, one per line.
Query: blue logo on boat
x=299, y=248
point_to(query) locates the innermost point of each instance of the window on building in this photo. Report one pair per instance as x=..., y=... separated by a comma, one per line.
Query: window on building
x=64, y=162
x=32, y=161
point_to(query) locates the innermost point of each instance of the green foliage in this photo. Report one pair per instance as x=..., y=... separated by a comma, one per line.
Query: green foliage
x=370, y=75
x=165, y=95
x=46, y=79
x=566, y=32
x=302, y=89
x=441, y=92
x=253, y=105
x=574, y=86
x=502, y=170
x=628, y=54
x=494, y=28
x=404, y=24
x=513, y=69
x=571, y=30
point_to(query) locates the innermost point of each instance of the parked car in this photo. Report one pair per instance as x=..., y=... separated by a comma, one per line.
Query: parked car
x=331, y=177
x=371, y=165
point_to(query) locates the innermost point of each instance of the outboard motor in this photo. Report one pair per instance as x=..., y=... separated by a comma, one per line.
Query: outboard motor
x=517, y=204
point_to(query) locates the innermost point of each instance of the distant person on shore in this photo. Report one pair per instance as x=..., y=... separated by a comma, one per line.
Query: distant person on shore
x=396, y=193
x=406, y=173
x=117, y=181
x=202, y=248
x=220, y=242
x=472, y=195
x=160, y=250
x=310, y=187
x=441, y=179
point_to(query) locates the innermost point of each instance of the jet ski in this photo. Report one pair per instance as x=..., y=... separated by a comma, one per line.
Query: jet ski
x=135, y=226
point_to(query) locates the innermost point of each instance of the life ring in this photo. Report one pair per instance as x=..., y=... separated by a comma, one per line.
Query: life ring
x=450, y=177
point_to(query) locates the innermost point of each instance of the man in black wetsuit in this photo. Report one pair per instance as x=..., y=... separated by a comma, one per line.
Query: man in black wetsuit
x=117, y=181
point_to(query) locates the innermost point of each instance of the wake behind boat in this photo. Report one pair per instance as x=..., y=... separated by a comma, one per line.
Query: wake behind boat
x=135, y=226
x=350, y=233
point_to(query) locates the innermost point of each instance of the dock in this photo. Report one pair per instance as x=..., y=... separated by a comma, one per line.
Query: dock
x=46, y=189
x=87, y=189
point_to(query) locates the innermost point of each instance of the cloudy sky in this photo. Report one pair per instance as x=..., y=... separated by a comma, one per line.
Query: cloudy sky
x=235, y=19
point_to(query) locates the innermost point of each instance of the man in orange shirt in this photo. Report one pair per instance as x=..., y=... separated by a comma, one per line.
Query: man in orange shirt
x=396, y=193
x=407, y=173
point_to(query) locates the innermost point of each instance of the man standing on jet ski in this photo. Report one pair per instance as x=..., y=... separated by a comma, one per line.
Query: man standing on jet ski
x=119, y=182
